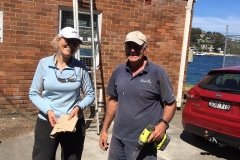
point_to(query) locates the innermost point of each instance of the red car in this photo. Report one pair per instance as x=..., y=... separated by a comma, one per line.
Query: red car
x=212, y=108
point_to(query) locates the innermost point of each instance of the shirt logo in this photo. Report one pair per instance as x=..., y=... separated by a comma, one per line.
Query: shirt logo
x=145, y=81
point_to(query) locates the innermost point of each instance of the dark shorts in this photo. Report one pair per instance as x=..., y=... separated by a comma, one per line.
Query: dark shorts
x=71, y=142
x=123, y=150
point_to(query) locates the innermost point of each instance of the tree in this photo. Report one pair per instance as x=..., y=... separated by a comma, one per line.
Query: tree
x=208, y=34
x=195, y=35
x=194, y=39
x=218, y=40
x=208, y=38
x=196, y=31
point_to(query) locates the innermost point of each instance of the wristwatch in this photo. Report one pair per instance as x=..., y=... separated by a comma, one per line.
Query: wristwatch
x=165, y=122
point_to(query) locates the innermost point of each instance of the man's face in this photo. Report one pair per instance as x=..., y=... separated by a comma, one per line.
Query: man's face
x=134, y=52
x=68, y=46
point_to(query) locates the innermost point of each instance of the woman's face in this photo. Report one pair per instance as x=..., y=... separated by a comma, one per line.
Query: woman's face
x=67, y=46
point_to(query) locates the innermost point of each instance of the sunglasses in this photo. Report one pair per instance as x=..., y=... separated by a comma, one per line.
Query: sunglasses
x=65, y=80
x=135, y=46
x=72, y=41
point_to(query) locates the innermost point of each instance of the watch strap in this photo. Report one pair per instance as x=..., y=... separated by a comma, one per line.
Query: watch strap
x=165, y=122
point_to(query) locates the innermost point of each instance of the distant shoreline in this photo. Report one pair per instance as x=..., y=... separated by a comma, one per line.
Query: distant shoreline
x=213, y=54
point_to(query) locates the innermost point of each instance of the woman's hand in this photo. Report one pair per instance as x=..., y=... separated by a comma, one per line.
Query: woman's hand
x=74, y=112
x=52, y=118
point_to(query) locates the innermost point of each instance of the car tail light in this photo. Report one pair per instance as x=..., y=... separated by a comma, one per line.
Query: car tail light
x=192, y=94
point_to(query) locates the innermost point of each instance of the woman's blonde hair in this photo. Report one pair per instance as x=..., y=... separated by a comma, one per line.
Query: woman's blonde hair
x=54, y=42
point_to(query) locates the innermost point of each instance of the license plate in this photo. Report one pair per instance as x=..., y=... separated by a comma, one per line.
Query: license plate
x=219, y=105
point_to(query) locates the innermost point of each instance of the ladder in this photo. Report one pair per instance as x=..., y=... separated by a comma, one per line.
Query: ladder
x=93, y=46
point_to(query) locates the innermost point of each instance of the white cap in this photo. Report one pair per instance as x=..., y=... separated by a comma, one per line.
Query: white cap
x=137, y=37
x=69, y=32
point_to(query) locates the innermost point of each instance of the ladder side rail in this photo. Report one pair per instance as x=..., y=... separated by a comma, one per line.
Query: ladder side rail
x=94, y=65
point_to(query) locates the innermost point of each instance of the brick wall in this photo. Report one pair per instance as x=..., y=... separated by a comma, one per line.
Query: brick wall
x=29, y=27
x=162, y=23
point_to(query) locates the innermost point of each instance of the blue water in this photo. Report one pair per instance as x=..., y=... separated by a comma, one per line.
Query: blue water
x=200, y=66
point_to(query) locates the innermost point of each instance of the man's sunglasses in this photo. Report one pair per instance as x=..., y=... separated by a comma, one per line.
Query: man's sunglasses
x=133, y=45
x=65, y=80
x=72, y=41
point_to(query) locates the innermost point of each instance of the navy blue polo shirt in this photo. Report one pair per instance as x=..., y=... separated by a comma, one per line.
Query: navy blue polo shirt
x=140, y=99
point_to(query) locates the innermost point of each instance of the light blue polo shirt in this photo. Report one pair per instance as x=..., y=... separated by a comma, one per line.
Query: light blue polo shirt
x=140, y=99
x=48, y=93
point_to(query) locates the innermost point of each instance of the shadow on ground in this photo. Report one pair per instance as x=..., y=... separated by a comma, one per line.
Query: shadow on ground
x=209, y=148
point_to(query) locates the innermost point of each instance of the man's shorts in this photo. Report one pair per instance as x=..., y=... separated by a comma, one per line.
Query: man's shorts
x=124, y=150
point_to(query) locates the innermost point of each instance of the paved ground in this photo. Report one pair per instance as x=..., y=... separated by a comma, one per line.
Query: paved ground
x=183, y=146
x=11, y=127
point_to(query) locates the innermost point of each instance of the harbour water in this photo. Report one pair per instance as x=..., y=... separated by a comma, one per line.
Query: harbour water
x=201, y=65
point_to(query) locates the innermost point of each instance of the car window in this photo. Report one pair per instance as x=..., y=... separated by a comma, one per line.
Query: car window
x=223, y=82
x=219, y=80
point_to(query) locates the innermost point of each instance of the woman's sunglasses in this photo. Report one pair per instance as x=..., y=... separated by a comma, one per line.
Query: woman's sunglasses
x=65, y=80
x=72, y=41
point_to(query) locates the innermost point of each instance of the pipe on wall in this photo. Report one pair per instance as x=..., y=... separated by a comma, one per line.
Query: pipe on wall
x=184, y=53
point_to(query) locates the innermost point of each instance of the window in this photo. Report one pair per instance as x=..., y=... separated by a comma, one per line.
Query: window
x=84, y=21
x=221, y=81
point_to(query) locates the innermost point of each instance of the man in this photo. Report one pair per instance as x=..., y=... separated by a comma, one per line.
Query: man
x=140, y=94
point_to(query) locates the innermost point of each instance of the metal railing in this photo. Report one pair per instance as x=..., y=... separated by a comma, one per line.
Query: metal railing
x=232, y=46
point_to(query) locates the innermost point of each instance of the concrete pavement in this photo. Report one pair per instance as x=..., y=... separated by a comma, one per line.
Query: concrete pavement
x=20, y=148
x=183, y=146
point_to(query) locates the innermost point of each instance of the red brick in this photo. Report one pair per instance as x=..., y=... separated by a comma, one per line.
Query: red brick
x=9, y=5
x=5, y=102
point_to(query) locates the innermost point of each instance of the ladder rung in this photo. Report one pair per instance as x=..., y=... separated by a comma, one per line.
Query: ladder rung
x=86, y=119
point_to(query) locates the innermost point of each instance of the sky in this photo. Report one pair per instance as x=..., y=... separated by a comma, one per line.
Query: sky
x=215, y=15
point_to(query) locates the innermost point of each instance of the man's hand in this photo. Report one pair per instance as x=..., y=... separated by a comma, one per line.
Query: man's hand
x=52, y=118
x=158, y=133
x=74, y=112
x=103, y=141
x=110, y=113
x=160, y=129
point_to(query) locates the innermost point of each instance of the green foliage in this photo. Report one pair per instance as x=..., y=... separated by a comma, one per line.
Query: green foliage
x=219, y=40
x=207, y=38
x=194, y=39
x=233, y=47
x=196, y=31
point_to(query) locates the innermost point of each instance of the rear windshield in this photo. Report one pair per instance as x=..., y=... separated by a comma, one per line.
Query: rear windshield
x=222, y=82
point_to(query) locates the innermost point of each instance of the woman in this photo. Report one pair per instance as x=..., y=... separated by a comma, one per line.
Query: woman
x=55, y=90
